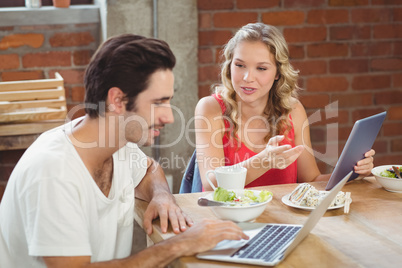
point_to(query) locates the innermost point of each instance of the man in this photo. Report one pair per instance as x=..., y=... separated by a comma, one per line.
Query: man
x=70, y=199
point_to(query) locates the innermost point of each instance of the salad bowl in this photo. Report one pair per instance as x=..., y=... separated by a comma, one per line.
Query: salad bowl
x=241, y=208
x=387, y=178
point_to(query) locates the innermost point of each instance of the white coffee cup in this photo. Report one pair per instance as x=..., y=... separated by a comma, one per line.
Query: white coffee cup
x=228, y=177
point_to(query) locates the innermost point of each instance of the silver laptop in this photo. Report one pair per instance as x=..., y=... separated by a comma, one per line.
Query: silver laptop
x=269, y=244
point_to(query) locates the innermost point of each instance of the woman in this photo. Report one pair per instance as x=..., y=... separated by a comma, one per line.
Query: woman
x=255, y=119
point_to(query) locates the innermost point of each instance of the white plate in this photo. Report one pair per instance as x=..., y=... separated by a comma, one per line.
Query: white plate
x=286, y=201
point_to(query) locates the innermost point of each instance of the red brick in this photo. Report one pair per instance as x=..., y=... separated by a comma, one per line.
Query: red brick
x=9, y=61
x=369, y=15
x=75, y=111
x=350, y=32
x=208, y=73
x=301, y=82
x=310, y=67
x=233, y=19
x=397, y=14
x=343, y=133
x=392, y=128
x=387, y=159
x=395, y=113
x=18, y=40
x=249, y=4
x=2, y=188
x=204, y=21
x=317, y=134
x=327, y=16
x=380, y=147
x=386, y=64
x=213, y=38
x=397, y=79
x=77, y=94
x=75, y=76
x=204, y=90
x=42, y=27
x=353, y=99
x=10, y=157
x=205, y=55
x=327, y=50
x=296, y=52
x=219, y=56
x=386, y=2
x=71, y=39
x=5, y=172
x=283, y=18
x=323, y=167
x=6, y=29
x=348, y=66
x=396, y=145
x=306, y=34
x=46, y=59
x=82, y=57
x=327, y=84
x=371, y=82
x=314, y=101
x=304, y=3
x=340, y=117
x=330, y=152
x=363, y=113
x=22, y=75
x=397, y=48
x=371, y=49
x=338, y=3
x=215, y=4
x=387, y=31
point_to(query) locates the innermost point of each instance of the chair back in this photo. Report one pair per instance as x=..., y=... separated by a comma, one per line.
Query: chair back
x=191, y=182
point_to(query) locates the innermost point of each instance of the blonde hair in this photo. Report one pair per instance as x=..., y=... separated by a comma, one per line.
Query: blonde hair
x=283, y=92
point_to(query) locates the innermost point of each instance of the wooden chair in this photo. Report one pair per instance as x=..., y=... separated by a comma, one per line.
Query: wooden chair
x=28, y=108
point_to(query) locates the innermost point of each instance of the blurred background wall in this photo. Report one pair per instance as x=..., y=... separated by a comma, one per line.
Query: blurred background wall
x=349, y=53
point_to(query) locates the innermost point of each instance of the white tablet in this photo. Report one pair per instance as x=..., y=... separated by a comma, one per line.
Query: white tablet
x=360, y=141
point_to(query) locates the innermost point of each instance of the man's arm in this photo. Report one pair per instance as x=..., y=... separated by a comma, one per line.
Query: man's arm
x=201, y=237
x=155, y=189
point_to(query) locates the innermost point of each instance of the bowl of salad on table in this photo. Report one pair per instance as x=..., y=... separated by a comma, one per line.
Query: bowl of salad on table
x=389, y=176
x=238, y=205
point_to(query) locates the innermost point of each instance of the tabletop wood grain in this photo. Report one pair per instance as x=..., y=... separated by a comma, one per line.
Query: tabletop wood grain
x=369, y=236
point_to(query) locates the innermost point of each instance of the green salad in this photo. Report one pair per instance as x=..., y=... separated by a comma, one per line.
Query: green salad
x=224, y=195
x=390, y=173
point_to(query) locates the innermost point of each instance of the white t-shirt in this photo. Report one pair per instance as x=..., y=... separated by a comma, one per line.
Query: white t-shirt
x=53, y=207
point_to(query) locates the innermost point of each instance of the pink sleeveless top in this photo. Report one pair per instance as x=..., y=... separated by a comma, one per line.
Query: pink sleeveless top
x=235, y=154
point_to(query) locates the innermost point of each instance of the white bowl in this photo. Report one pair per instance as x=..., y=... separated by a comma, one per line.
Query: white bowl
x=389, y=184
x=239, y=213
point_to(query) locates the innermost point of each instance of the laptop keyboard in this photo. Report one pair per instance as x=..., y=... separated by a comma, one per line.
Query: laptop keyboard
x=268, y=243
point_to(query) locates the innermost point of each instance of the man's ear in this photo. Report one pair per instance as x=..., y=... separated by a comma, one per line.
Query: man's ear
x=115, y=101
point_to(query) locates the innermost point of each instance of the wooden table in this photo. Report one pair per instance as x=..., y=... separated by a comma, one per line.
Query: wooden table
x=369, y=236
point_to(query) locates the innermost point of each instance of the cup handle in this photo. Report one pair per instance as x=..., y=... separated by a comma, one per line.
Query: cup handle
x=209, y=181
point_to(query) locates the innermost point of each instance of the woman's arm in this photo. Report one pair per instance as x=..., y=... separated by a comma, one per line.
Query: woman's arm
x=210, y=129
x=307, y=169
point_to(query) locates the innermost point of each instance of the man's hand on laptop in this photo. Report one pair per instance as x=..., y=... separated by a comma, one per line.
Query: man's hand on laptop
x=206, y=234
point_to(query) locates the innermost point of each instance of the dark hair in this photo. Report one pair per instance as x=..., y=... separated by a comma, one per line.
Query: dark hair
x=125, y=61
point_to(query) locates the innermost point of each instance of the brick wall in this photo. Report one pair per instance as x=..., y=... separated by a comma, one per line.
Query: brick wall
x=348, y=51
x=37, y=52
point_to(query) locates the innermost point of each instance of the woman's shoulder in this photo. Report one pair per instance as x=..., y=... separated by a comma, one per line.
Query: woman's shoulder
x=208, y=105
x=298, y=113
